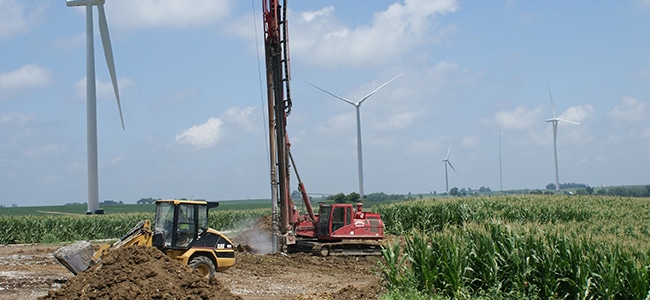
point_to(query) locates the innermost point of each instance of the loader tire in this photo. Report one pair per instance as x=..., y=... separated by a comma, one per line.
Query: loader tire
x=203, y=265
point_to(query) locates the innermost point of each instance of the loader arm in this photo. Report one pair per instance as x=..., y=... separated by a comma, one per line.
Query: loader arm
x=79, y=256
x=139, y=235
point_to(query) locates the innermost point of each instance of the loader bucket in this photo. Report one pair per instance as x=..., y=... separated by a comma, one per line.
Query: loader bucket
x=76, y=257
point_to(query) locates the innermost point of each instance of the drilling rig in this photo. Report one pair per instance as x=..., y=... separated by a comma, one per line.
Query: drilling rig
x=337, y=229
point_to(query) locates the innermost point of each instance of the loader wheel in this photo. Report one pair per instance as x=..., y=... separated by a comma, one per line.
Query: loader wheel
x=203, y=265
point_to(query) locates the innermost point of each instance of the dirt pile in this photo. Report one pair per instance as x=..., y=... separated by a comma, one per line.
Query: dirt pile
x=137, y=272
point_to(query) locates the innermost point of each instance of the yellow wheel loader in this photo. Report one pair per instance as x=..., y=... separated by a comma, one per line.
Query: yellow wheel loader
x=180, y=230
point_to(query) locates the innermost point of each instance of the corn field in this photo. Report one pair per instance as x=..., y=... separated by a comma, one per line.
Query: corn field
x=518, y=247
x=67, y=228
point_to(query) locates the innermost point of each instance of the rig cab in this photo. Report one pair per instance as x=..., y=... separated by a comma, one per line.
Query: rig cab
x=342, y=221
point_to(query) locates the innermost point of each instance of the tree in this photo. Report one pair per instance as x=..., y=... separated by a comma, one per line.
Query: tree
x=353, y=197
x=484, y=189
x=550, y=186
x=582, y=192
x=295, y=194
x=619, y=191
x=589, y=190
x=453, y=191
x=339, y=198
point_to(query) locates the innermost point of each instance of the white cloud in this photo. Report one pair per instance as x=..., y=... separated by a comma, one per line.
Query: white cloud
x=13, y=118
x=577, y=113
x=520, y=119
x=309, y=16
x=240, y=117
x=17, y=17
x=630, y=110
x=469, y=142
x=324, y=41
x=201, y=136
x=23, y=78
x=166, y=13
x=207, y=135
x=399, y=120
x=103, y=89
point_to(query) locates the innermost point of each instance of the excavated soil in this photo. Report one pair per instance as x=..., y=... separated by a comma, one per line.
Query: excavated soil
x=30, y=272
x=136, y=272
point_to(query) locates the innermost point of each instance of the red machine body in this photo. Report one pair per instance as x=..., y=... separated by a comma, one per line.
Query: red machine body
x=337, y=228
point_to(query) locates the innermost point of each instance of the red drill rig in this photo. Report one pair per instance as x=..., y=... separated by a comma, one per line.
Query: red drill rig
x=337, y=229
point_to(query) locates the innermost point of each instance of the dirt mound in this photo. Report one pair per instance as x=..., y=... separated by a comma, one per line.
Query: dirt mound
x=257, y=239
x=137, y=272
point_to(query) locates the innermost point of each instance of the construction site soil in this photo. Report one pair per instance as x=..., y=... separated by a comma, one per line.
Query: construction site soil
x=31, y=272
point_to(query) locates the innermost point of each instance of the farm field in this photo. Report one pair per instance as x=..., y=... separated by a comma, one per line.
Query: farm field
x=80, y=209
x=498, y=247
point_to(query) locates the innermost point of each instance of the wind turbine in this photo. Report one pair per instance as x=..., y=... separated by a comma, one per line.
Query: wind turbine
x=447, y=162
x=91, y=95
x=554, y=121
x=357, y=106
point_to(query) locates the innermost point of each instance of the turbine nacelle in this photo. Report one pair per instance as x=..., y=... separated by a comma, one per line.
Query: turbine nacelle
x=84, y=2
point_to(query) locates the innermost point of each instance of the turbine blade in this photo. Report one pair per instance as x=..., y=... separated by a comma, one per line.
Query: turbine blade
x=448, y=152
x=381, y=86
x=333, y=95
x=567, y=121
x=551, y=98
x=108, y=52
x=452, y=167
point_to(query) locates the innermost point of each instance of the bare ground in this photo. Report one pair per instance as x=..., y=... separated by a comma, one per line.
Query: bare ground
x=30, y=272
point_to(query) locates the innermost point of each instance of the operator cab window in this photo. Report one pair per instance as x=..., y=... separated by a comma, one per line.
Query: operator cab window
x=203, y=219
x=165, y=222
x=186, y=225
x=339, y=219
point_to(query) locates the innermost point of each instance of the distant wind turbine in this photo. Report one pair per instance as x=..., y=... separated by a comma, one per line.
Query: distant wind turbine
x=357, y=105
x=447, y=162
x=554, y=121
x=500, y=168
x=91, y=95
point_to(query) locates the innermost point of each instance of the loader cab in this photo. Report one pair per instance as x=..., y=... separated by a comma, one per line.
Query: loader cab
x=180, y=222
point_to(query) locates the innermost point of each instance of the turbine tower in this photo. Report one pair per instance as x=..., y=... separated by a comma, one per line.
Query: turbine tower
x=91, y=95
x=554, y=121
x=447, y=162
x=357, y=106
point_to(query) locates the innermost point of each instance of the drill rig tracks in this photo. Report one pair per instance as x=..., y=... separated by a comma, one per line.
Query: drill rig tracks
x=342, y=248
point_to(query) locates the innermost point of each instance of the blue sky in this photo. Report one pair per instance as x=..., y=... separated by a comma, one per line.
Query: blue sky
x=193, y=105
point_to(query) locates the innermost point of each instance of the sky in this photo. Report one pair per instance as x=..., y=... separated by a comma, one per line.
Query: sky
x=476, y=80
